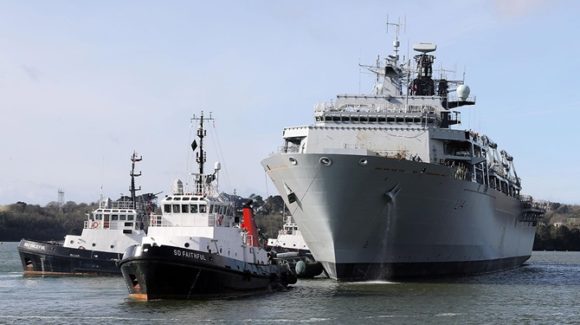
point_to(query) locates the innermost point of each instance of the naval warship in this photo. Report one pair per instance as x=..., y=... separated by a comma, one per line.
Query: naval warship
x=386, y=185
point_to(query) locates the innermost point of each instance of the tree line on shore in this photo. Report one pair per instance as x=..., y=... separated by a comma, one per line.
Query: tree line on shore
x=52, y=222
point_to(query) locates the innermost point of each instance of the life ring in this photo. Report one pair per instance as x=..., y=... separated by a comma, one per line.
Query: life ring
x=81, y=247
x=94, y=224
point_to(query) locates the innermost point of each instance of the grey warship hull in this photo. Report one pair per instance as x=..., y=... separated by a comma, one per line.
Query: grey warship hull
x=368, y=217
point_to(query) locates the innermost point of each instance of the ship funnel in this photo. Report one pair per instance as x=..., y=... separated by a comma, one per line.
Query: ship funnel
x=178, y=187
x=463, y=92
x=249, y=225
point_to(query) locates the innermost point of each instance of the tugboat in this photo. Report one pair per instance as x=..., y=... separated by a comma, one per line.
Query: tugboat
x=106, y=234
x=290, y=247
x=196, y=247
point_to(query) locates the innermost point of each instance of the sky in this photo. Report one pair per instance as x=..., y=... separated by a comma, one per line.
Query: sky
x=83, y=84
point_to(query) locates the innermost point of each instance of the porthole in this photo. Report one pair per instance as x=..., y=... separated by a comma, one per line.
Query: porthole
x=72, y=241
x=112, y=246
x=94, y=244
x=363, y=162
x=325, y=161
x=293, y=161
x=186, y=245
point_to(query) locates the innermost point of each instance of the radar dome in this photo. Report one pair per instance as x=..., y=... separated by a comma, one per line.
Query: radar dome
x=463, y=92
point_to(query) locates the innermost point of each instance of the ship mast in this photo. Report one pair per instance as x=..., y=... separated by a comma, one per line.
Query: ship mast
x=132, y=188
x=200, y=156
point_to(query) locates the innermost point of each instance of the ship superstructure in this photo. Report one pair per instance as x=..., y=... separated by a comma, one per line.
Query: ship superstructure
x=383, y=186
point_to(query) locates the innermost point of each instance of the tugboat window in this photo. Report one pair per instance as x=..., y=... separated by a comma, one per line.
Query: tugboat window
x=185, y=208
x=114, y=217
x=130, y=217
x=202, y=209
x=176, y=208
x=122, y=217
x=167, y=208
x=193, y=208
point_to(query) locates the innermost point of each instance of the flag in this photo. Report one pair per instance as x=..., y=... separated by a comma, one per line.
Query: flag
x=193, y=145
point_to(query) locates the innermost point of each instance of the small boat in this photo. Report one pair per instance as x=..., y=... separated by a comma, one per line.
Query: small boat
x=197, y=248
x=289, y=246
x=107, y=232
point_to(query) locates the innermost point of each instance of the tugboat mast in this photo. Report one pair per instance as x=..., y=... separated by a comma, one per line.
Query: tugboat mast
x=200, y=156
x=132, y=188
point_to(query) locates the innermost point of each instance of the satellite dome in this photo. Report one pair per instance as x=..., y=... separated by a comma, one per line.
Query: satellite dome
x=463, y=92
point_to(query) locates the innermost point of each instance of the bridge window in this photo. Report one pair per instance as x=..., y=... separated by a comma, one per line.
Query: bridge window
x=167, y=208
x=185, y=208
x=176, y=208
x=202, y=208
x=130, y=217
x=193, y=208
x=122, y=217
x=114, y=217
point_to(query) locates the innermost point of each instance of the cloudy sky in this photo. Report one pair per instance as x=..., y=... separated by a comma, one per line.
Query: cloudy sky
x=84, y=83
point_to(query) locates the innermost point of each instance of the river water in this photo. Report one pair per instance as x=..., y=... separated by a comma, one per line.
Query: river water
x=545, y=291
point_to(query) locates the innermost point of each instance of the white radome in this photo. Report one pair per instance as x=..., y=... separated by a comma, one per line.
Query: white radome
x=463, y=92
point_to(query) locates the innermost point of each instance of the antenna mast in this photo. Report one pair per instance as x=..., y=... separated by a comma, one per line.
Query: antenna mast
x=396, y=42
x=132, y=188
x=200, y=156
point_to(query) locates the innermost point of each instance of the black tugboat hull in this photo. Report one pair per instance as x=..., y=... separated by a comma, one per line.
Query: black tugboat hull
x=166, y=272
x=42, y=258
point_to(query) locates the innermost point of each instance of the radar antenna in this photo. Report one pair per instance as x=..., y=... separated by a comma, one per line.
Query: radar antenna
x=396, y=43
x=201, y=155
x=132, y=188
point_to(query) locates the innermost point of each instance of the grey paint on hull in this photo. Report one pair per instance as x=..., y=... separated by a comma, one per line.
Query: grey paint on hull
x=373, y=210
